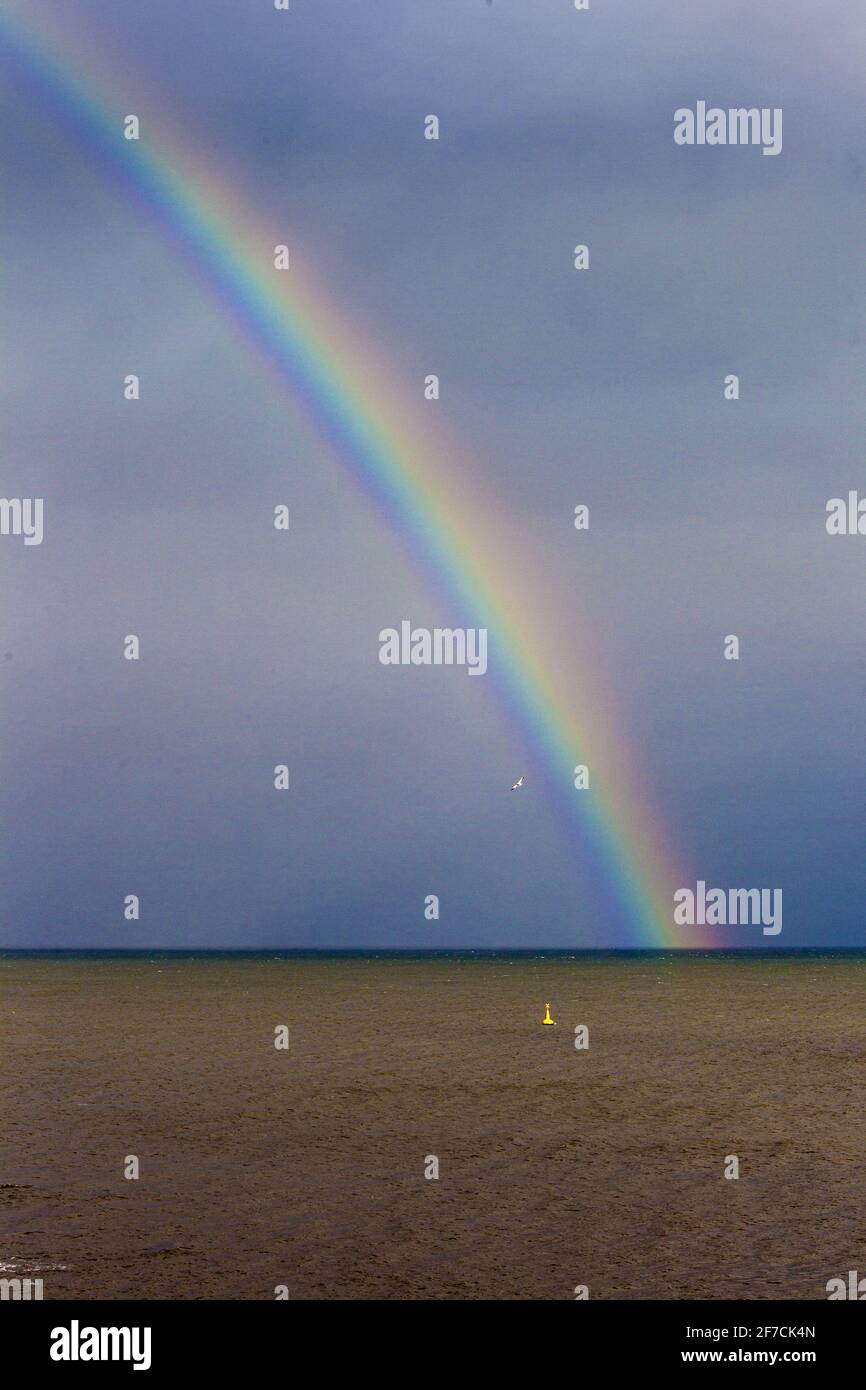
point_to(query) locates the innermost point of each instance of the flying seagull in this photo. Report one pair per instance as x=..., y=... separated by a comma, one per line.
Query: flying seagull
x=518, y=783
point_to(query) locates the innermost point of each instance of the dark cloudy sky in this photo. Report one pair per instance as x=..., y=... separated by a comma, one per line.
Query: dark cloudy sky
x=155, y=777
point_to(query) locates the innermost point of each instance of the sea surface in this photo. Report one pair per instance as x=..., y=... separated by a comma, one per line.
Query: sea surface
x=558, y=1167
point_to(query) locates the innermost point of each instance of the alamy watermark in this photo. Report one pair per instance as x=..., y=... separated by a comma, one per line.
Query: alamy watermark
x=439, y=646
x=22, y=516
x=17, y=1290
x=77, y=1343
x=855, y=1288
x=736, y=126
x=732, y=907
x=846, y=516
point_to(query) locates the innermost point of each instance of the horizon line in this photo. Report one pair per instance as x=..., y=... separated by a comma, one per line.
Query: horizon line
x=426, y=950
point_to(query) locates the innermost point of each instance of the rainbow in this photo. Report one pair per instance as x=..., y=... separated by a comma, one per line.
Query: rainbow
x=416, y=484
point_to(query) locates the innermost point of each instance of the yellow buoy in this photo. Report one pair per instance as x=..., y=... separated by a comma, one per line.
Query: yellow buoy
x=547, y=1018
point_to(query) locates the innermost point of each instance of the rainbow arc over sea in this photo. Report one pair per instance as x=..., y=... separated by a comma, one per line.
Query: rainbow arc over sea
x=329, y=366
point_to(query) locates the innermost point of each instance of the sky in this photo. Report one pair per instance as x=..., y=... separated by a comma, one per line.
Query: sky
x=558, y=387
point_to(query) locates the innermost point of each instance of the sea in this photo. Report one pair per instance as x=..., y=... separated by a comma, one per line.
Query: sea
x=399, y=1125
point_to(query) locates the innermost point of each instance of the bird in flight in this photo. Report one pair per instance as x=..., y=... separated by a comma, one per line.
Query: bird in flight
x=518, y=783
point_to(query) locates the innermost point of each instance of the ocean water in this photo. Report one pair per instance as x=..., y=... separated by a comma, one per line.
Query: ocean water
x=557, y=1167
